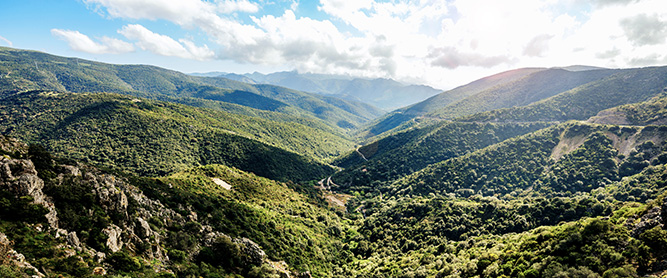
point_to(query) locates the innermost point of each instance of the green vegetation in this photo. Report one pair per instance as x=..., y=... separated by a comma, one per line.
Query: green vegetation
x=30, y=70
x=407, y=152
x=651, y=112
x=526, y=90
x=583, y=102
x=183, y=191
x=565, y=159
x=155, y=138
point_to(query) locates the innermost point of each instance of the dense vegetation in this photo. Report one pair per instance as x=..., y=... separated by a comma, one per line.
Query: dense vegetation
x=155, y=138
x=183, y=191
x=651, y=112
x=569, y=158
x=404, y=153
x=625, y=87
x=30, y=70
x=526, y=90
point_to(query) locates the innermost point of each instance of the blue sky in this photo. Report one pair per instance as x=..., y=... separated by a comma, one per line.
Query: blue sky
x=439, y=43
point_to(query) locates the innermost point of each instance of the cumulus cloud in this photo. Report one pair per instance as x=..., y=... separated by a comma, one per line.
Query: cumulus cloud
x=648, y=60
x=406, y=39
x=537, y=46
x=164, y=45
x=81, y=42
x=644, y=29
x=8, y=42
x=452, y=58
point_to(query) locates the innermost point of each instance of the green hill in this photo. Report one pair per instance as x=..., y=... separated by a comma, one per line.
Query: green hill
x=406, y=152
x=180, y=225
x=24, y=70
x=523, y=91
x=568, y=158
x=651, y=112
x=439, y=101
x=624, y=87
x=154, y=138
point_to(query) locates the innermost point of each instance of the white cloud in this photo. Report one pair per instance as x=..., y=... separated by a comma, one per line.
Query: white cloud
x=442, y=43
x=8, y=42
x=81, y=42
x=231, y=6
x=164, y=45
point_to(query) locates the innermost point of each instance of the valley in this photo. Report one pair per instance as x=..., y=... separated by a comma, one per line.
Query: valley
x=138, y=171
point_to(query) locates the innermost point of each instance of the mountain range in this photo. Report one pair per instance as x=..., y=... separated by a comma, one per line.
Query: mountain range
x=383, y=93
x=138, y=171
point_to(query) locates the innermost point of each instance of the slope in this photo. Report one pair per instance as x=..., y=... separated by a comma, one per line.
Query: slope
x=406, y=152
x=625, y=87
x=651, y=112
x=526, y=90
x=568, y=158
x=154, y=138
x=68, y=219
x=24, y=70
x=400, y=116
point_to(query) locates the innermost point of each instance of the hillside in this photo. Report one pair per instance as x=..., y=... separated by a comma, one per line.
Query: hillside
x=526, y=90
x=565, y=159
x=404, y=153
x=386, y=94
x=651, y=112
x=403, y=115
x=176, y=226
x=625, y=87
x=24, y=70
x=155, y=138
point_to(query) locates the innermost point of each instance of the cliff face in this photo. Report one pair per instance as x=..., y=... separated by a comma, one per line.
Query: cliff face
x=93, y=217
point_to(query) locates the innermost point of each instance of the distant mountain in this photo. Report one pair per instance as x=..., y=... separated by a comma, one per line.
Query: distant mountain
x=383, y=93
x=526, y=90
x=580, y=68
x=400, y=116
x=623, y=87
x=155, y=138
x=31, y=70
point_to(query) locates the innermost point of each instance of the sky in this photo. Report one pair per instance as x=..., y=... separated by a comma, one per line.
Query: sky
x=438, y=43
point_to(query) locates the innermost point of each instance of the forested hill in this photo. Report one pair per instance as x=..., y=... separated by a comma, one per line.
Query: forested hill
x=155, y=138
x=23, y=70
x=404, y=153
x=625, y=87
x=650, y=112
x=568, y=158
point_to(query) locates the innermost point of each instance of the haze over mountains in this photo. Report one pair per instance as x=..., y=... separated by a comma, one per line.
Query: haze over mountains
x=139, y=171
x=386, y=94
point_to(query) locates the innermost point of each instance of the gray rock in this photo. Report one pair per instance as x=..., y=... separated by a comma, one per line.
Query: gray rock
x=114, y=240
x=252, y=251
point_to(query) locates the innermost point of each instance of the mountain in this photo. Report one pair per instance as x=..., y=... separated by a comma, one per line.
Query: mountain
x=508, y=89
x=155, y=138
x=30, y=70
x=624, y=87
x=158, y=174
x=68, y=219
x=531, y=88
x=386, y=94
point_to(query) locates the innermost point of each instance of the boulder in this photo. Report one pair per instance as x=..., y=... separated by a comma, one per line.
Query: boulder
x=114, y=240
